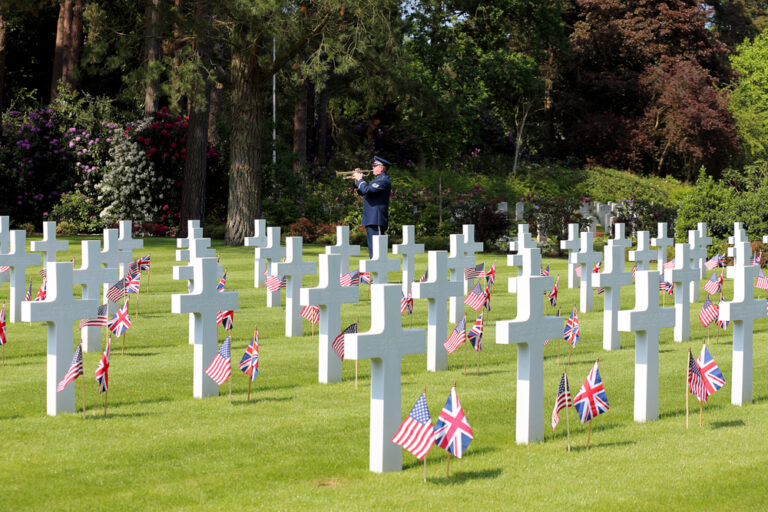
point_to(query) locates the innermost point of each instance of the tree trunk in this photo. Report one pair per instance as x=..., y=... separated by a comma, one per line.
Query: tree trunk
x=3, y=33
x=322, y=127
x=300, y=128
x=244, y=202
x=63, y=39
x=521, y=115
x=72, y=55
x=152, y=53
x=195, y=162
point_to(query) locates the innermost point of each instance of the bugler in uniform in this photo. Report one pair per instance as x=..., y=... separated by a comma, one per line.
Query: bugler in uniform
x=375, y=201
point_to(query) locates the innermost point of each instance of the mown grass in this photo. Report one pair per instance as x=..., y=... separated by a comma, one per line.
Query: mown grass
x=301, y=445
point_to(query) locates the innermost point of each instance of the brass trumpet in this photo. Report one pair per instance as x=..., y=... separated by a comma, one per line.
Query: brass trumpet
x=347, y=175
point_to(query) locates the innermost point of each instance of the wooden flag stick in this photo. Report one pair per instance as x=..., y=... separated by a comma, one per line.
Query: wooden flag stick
x=230, y=387
x=567, y=421
x=249, y=388
x=589, y=434
x=687, y=394
x=701, y=411
x=3, y=355
x=83, y=379
x=425, y=456
x=358, y=328
x=138, y=295
x=149, y=272
x=465, y=344
x=105, y=402
x=448, y=466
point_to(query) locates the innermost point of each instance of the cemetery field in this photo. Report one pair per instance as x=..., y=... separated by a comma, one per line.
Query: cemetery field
x=301, y=445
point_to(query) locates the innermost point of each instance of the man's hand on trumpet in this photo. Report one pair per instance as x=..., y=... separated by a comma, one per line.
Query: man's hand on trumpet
x=357, y=175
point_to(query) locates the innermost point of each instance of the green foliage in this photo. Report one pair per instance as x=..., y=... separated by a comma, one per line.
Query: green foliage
x=78, y=211
x=708, y=201
x=749, y=98
x=611, y=185
x=550, y=216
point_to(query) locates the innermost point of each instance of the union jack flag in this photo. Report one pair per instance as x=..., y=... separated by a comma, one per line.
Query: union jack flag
x=475, y=298
x=571, y=333
x=757, y=259
x=102, y=370
x=311, y=313
x=144, y=262
x=666, y=287
x=723, y=324
x=222, y=282
x=249, y=364
x=350, y=279
x=101, y=319
x=487, y=303
x=75, y=369
x=490, y=276
x=553, y=294
x=274, y=283
x=562, y=400
x=416, y=434
x=120, y=323
x=41, y=293
x=713, y=377
x=28, y=295
x=457, y=337
x=715, y=284
x=365, y=277
x=591, y=400
x=695, y=380
x=117, y=291
x=338, y=341
x=452, y=431
x=475, y=334
x=3, y=340
x=406, y=303
x=544, y=271
x=761, y=281
x=597, y=267
x=221, y=368
x=476, y=272
x=226, y=319
x=133, y=282
x=709, y=312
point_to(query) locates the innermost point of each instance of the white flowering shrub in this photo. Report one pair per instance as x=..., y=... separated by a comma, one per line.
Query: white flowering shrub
x=131, y=187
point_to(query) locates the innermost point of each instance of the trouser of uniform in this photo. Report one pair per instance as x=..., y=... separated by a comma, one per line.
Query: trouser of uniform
x=372, y=231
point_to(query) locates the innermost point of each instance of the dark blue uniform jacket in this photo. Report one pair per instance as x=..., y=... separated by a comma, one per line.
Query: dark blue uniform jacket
x=375, y=200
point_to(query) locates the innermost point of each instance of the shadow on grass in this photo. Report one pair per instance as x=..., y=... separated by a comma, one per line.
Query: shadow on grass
x=256, y=400
x=593, y=445
x=140, y=354
x=694, y=410
x=110, y=414
x=727, y=424
x=461, y=477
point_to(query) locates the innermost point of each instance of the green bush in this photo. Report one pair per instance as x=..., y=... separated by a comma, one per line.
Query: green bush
x=79, y=211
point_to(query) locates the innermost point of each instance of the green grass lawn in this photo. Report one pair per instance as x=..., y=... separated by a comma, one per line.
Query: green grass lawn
x=303, y=445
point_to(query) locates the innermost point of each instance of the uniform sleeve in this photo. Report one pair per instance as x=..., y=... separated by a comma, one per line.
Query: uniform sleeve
x=374, y=188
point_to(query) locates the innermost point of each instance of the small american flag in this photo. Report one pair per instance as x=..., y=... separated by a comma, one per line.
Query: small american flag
x=490, y=276
x=274, y=283
x=75, y=369
x=723, y=324
x=457, y=337
x=634, y=271
x=338, y=342
x=120, y=323
x=475, y=298
x=41, y=293
x=695, y=381
x=102, y=370
x=762, y=281
x=544, y=271
x=578, y=270
x=366, y=277
x=44, y=273
x=221, y=368
x=709, y=312
x=249, y=364
x=562, y=400
x=669, y=264
x=475, y=334
x=311, y=313
x=133, y=282
x=423, y=276
x=666, y=287
x=221, y=285
x=406, y=303
x=226, y=319
x=715, y=284
x=4, y=268
x=350, y=279
x=553, y=294
x=572, y=333
x=712, y=262
x=116, y=291
x=100, y=320
x=416, y=434
x=28, y=295
x=3, y=339
x=476, y=272
x=133, y=267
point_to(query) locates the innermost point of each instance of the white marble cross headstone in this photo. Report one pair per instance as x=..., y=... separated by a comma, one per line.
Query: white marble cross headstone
x=329, y=295
x=259, y=239
x=620, y=236
x=92, y=276
x=294, y=269
x=661, y=242
x=682, y=275
x=114, y=257
x=571, y=244
x=612, y=278
x=5, y=244
x=587, y=257
x=204, y=302
x=385, y=345
x=182, y=244
x=18, y=259
x=59, y=310
x=742, y=312
x=699, y=255
x=461, y=256
x=437, y=289
x=343, y=248
x=126, y=242
x=408, y=250
x=529, y=331
x=643, y=255
x=520, y=244
x=646, y=320
x=195, y=248
x=271, y=253
x=738, y=236
x=49, y=245
x=380, y=265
